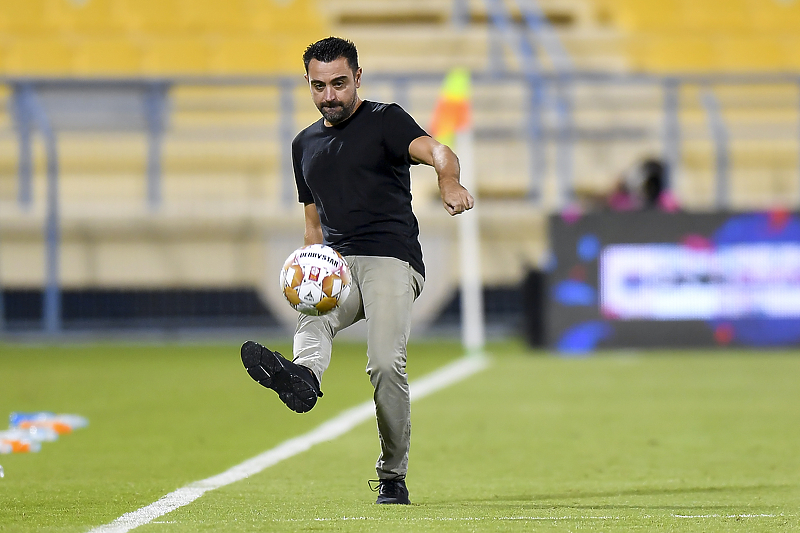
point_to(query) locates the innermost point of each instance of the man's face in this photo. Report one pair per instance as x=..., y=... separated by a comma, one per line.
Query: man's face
x=333, y=88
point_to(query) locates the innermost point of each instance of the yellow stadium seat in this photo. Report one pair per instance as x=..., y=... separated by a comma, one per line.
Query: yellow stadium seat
x=176, y=55
x=247, y=55
x=214, y=15
x=91, y=16
x=775, y=15
x=258, y=55
x=717, y=35
x=298, y=17
x=715, y=16
x=792, y=53
x=648, y=15
x=25, y=17
x=749, y=54
x=672, y=54
x=152, y=16
x=108, y=56
x=39, y=56
x=293, y=46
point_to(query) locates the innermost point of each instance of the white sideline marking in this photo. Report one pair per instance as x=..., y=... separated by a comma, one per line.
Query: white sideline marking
x=726, y=515
x=512, y=518
x=452, y=519
x=333, y=428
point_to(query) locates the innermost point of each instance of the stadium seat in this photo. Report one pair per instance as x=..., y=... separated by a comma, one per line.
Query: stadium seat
x=156, y=36
x=24, y=18
x=249, y=55
x=299, y=18
x=766, y=155
x=637, y=16
x=152, y=16
x=713, y=35
x=94, y=16
x=39, y=55
x=715, y=16
x=176, y=55
x=748, y=54
x=671, y=53
x=108, y=56
x=208, y=16
x=791, y=48
x=8, y=147
x=774, y=16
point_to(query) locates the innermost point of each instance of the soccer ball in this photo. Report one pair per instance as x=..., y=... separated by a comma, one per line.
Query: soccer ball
x=315, y=279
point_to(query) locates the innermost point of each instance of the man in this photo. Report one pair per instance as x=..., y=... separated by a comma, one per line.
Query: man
x=352, y=169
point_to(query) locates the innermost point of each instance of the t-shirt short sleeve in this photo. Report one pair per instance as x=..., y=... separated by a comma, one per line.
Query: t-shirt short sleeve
x=304, y=195
x=399, y=129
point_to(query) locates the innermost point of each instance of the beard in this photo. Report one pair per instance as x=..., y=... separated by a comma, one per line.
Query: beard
x=336, y=111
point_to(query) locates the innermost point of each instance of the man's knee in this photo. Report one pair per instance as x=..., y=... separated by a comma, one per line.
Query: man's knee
x=386, y=368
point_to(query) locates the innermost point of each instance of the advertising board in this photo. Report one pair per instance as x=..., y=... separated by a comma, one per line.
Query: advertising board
x=653, y=279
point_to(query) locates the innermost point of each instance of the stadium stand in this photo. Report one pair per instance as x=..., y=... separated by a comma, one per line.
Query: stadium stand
x=70, y=37
x=222, y=146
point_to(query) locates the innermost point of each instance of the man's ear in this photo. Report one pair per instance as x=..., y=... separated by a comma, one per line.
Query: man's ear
x=357, y=78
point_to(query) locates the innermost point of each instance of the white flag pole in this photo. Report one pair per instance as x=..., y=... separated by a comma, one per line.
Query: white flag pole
x=472, y=313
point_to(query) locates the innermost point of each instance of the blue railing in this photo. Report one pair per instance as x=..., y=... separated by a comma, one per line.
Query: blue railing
x=533, y=40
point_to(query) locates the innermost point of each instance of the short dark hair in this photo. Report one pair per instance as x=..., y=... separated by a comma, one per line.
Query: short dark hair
x=331, y=49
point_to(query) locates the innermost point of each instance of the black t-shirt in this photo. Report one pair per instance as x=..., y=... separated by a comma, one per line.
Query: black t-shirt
x=357, y=173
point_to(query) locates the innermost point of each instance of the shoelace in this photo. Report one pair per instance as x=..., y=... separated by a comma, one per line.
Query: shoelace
x=389, y=484
x=308, y=372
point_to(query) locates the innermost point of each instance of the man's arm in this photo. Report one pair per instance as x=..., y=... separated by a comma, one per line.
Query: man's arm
x=313, y=230
x=427, y=150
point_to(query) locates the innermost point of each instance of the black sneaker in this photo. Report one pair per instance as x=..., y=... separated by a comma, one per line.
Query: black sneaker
x=391, y=490
x=296, y=385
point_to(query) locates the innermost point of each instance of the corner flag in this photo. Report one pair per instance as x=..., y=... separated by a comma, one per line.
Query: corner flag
x=452, y=125
x=452, y=113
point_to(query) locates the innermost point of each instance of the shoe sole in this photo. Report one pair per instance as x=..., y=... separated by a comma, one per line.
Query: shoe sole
x=392, y=501
x=268, y=370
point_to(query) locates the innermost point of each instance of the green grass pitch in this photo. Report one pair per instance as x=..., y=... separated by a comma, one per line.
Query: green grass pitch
x=651, y=441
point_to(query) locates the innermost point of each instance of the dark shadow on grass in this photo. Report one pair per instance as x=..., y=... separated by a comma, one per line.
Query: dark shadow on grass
x=653, y=491
x=543, y=499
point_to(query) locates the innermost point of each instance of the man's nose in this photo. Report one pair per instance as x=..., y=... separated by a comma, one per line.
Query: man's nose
x=328, y=94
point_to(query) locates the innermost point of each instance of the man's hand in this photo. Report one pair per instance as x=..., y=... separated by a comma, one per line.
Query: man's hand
x=455, y=197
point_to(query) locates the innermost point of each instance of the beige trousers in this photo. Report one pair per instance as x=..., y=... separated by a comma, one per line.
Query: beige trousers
x=382, y=292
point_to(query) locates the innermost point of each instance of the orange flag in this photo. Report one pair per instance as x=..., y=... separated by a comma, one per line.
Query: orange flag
x=453, y=110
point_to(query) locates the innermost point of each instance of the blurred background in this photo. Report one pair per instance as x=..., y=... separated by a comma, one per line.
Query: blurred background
x=636, y=162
